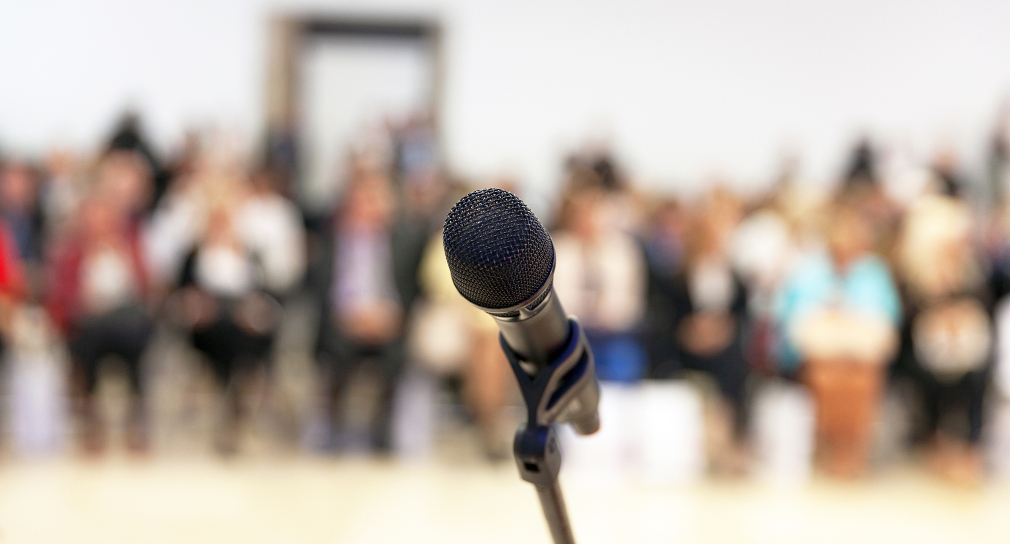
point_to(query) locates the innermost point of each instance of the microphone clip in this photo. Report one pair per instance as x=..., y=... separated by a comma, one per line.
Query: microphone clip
x=565, y=391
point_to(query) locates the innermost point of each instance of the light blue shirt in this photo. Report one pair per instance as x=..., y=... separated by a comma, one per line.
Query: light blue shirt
x=865, y=287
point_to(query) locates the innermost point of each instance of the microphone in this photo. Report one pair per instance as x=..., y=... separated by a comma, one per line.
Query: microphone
x=502, y=261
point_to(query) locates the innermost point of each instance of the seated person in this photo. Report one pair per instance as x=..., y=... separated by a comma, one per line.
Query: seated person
x=450, y=336
x=248, y=253
x=97, y=297
x=712, y=320
x=838, y=313
x=368, y=272
x=947, y=338
x=600, y=277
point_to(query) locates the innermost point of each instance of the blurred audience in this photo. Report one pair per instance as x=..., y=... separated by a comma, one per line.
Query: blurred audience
x=895, y=279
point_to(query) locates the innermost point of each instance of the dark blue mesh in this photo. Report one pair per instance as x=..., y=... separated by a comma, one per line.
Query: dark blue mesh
x=498, y=253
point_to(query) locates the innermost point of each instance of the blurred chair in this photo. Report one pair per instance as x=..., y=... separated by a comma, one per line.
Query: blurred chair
x=37, y=384
x=783, y=429
x=651, y=432
x=670, y=432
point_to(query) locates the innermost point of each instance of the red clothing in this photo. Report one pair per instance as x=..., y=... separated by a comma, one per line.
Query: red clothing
x=64, y=277
x=12, y=275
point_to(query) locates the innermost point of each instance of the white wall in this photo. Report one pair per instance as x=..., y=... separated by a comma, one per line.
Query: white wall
x=683, y=90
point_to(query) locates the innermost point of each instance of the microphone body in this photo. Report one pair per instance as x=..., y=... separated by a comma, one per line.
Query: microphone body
x=539, y=335
x=502, y=261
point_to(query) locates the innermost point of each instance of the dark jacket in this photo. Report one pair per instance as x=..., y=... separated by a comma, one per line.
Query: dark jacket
x=407, y=241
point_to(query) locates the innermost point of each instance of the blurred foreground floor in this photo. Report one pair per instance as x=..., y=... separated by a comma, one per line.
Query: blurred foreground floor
x=314, y=500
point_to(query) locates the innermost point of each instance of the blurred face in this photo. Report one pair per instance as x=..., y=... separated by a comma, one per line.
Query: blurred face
x=369, y=204
x=99, y=221
x=710, y=238
x=585, y=215
x=124, y=180
x=723, y=210
x=670, y=220
x=849, y=238
x=219, y=229
x=17, y=187
x=60, y=164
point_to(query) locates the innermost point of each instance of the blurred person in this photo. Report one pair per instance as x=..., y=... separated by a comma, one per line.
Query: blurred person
x=19, y=206
x=620, y=206
x=838, y=312
x=425, y=202
x=998, y=158
x=61, y=192
x=947, y=334
x=664, y=250
x=415, y=147
x=712, y=321
x=129, y=136
x=98, y=289
x=947, y=172
x=125, y=181
x=280, y=156
x=185, y=160
x=13, y=282
x=763, y=250
x=13, y=291
x=367, y=279
x=905, y=179
x=451, y=337
x=239, y=249
x=600, y=276
x=862, y=168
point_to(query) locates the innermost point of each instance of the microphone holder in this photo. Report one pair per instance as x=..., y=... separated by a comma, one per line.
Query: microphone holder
x=564, y=391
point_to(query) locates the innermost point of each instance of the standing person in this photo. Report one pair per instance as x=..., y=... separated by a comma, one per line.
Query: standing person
x=98, y=293
x=838, y=313
x=368, y=272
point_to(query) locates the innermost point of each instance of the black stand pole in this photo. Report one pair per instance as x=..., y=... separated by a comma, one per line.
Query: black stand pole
x=563, y=392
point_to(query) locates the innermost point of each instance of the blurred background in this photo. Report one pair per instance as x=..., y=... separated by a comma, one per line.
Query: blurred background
x=225, y=314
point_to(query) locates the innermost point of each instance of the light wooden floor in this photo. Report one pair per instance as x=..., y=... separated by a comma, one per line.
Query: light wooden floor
x=304, y=499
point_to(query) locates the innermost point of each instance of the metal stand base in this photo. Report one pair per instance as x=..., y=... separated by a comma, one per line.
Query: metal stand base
x=565, y=391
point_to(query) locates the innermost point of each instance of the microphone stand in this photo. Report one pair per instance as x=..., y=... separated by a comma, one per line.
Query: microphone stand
x=565, y=391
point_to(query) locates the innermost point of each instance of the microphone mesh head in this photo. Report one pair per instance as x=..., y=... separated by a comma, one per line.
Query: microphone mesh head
x=498, y=253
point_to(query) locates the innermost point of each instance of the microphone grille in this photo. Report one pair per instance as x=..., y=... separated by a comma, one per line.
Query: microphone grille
x=499, y=255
